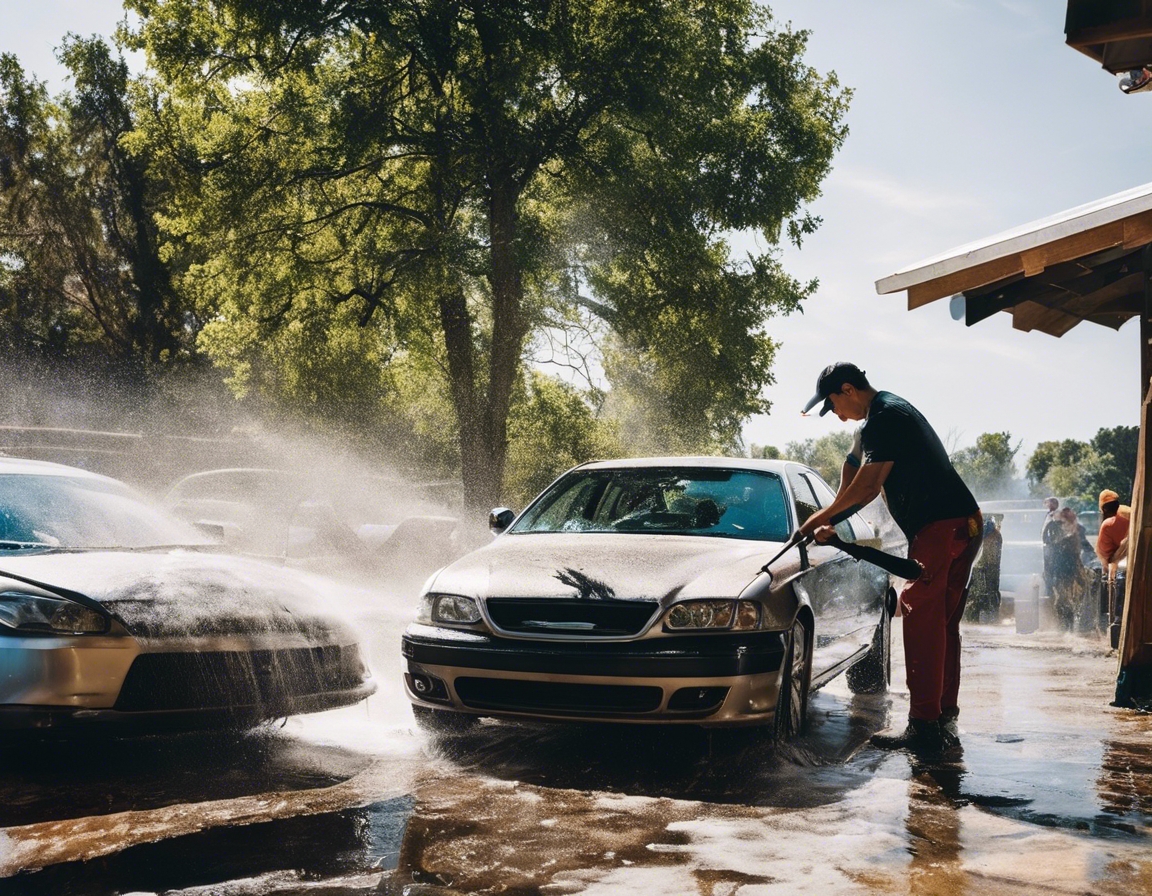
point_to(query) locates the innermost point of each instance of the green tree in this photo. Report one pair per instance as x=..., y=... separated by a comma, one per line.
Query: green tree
x=988, y=467
x=80, y=269
x=1047, y=455
x=449, y=179
x=825, y=455
x=1121, y=444
x=767, y=452
x=552, y=427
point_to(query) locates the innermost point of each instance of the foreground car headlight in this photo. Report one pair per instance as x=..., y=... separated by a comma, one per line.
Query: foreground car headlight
x=692, y=615
x=36, y=612
x=452, y=609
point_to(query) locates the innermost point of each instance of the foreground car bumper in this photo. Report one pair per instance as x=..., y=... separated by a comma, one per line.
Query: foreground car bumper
x=704, y=679
x=48, y=682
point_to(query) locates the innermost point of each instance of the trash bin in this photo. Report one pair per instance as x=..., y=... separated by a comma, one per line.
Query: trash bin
x=1027, y=606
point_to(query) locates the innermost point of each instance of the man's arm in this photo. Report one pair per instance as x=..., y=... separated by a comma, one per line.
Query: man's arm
x=863, y=488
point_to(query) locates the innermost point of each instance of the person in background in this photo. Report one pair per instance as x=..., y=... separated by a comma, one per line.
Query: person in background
x=1112, y=542
x=984, y=589
x=1069, y=582
x=1053, y=507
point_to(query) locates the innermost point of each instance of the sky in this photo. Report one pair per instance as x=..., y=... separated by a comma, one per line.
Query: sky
x=969, y=117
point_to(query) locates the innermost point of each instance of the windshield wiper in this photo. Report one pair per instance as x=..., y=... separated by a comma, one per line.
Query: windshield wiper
x=23, y=545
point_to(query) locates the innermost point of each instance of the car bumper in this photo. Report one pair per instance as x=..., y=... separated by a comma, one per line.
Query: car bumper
x=28, y=717
x=715, y=680
x=48, y=682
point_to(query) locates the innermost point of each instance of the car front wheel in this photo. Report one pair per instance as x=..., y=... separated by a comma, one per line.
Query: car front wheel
x=792, y=704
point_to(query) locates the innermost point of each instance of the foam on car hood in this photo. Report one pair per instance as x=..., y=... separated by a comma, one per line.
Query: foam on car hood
x=180, y=592
x=607, y=566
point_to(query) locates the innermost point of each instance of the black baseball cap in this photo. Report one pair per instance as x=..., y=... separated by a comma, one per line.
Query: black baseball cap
x=831, y=380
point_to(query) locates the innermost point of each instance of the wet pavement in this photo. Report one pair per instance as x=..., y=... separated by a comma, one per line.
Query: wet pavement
x=1053, y=795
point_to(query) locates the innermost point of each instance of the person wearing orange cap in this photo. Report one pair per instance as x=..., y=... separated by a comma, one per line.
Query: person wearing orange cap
x=1112, y=542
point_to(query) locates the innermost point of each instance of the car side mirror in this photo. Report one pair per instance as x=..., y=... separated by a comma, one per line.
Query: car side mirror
x=500, y=519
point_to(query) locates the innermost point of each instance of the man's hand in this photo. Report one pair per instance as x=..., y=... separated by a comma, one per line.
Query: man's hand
x=824, y=534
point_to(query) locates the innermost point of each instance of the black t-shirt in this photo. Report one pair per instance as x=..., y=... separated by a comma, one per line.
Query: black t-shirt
x=923, y=486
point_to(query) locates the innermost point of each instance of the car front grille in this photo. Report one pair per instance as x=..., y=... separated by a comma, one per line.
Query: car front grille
x=563, y=616
x=559, y=698
x=222, y=679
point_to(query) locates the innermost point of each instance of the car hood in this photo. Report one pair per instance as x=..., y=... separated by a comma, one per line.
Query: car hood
x=606, y=566
x=160, y=594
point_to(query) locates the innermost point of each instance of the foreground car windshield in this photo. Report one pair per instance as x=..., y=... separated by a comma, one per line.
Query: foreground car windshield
x=678, y=501
x=67, y=512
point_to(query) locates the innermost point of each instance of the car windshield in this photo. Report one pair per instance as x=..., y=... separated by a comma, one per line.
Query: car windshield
x=77, y=512
x=677, y=501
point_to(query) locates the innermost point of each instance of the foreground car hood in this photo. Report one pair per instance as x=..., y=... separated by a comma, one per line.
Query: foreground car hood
x=607, y=566
x=175, y=593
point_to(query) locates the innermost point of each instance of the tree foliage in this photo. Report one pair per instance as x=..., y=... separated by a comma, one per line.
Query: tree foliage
x=988, y=467
x=1081, y=470
x=80, y=271
x=367, y=192
x=825, y=455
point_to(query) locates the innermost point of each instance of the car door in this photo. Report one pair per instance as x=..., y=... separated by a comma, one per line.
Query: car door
x=859, y=587
x=841, y=591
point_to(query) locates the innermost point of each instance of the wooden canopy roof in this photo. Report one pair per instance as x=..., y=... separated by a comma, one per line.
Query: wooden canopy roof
x=1116, y=33
x=1084, y=264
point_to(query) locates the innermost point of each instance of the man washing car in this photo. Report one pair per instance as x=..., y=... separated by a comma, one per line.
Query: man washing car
x=896, y=451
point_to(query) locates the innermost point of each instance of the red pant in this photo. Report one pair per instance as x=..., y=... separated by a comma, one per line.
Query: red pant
x=932, y=606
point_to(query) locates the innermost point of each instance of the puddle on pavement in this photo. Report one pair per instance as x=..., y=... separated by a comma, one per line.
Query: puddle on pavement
x=1054, y=792
x=54, y=779
x=355, y=845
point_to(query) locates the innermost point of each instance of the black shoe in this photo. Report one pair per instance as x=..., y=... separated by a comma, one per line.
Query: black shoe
x=950, y=732
x=922, y=737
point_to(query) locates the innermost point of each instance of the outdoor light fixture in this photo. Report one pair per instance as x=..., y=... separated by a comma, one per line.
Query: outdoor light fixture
x=1137, y=80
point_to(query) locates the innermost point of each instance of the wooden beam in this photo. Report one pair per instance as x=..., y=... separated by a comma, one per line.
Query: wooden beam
x=950, y=284
x=1125, y=29
x=1069, y=248
x=1029, y=316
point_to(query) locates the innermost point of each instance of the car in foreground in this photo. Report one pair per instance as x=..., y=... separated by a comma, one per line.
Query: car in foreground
x=633, y=591
x=113, y=611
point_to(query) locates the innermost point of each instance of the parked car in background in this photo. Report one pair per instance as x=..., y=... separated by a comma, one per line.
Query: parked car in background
x=632, y=591
x=319, y=520
x=114, y=612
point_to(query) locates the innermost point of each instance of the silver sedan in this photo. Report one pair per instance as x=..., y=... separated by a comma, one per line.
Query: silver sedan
x=633, y=590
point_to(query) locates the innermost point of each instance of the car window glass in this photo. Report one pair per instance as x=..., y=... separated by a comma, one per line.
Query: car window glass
x=802, y=493
x=824, y=497
x=714, y=502
x=62, y=511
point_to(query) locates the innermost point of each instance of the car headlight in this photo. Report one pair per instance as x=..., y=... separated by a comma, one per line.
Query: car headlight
x=453, y=609
x=36, y=612
x=692, y=615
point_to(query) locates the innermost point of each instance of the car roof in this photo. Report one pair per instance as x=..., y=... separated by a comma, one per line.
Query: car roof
x=21, y=466
x=723, y=463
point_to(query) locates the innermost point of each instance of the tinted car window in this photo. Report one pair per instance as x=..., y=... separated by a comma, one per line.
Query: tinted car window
x=677, y=501
x=802, y=492
x=61, y=511
x=824, y=497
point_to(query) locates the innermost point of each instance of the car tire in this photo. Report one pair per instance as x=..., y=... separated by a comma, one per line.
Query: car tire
x=873, y=674
x=440, y=721
x=792, y=704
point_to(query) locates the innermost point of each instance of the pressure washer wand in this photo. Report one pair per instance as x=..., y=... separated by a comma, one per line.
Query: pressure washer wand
x=799, y=539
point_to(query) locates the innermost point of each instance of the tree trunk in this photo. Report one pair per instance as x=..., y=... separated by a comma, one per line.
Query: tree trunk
x=508, y=331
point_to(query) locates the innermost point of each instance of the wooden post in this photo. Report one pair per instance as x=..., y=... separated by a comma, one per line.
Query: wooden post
x=1146, y=327
x=1134, y=680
